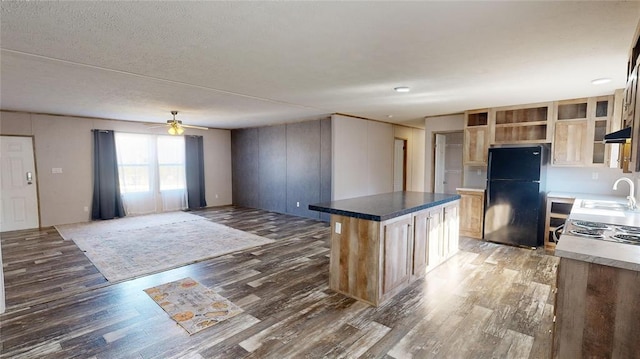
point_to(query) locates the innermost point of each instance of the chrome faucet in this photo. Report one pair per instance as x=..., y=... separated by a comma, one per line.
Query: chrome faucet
x=631, y=198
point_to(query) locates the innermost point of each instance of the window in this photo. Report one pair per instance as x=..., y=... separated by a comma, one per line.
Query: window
x=171, y=162
x=152, y=172
x=134, y=165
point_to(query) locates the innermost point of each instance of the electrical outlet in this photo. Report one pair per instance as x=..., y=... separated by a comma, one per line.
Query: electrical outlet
x=297, y=204
x=594, y=175
x=86, y=209
x=216, y=195
x=338, y=227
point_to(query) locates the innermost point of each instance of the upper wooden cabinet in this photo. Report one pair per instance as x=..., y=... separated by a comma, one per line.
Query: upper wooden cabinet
x=580, y=126
x=522, y=124
x=476, y=138
x=630, y=118
x=629, y=101
x=575, y=127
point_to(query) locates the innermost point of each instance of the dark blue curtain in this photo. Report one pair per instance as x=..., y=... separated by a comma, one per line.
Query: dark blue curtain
x=107, y=203
x=194, y=168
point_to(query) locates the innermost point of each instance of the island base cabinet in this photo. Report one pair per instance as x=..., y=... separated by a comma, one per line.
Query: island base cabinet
x=597, y=312
x=372, y=261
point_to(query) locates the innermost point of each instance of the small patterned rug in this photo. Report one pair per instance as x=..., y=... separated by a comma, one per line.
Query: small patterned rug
x=132, y=247
x=192, y=305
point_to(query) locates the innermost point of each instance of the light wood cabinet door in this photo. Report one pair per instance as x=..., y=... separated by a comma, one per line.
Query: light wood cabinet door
x=476, y=146
x=396, y=253
x=629, y=102
x=570, y=143
x=580, y=126
x=420, y=243
x=471, y=214
x=436, y=238
x=451, y=230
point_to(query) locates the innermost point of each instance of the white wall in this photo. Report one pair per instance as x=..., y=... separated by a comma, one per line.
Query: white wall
x=446, y=123
x=475, y=177
x=563, y=179
x=362, y=157
x=415, y=155
x=581, y=180
x=2, y=305
x=66, y=142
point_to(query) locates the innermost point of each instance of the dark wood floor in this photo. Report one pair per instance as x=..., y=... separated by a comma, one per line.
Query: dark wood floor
x=488, y=301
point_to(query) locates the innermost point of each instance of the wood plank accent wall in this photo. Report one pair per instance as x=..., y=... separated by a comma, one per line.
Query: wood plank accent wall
x=276, y=167
x=597, y=311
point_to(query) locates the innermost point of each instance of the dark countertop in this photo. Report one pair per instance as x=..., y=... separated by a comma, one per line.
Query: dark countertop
x=381, y=207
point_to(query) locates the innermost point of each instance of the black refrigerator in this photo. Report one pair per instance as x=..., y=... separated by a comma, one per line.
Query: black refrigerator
x=515, y=200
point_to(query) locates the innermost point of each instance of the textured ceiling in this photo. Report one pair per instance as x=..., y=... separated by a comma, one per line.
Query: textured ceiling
x=239, y=64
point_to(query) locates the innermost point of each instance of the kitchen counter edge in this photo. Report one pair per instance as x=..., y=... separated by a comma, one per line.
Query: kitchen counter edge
x=597, y=251
x=341, y=207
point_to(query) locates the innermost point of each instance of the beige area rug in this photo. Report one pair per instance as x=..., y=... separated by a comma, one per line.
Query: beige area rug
x=135, y=246
x=192, y=305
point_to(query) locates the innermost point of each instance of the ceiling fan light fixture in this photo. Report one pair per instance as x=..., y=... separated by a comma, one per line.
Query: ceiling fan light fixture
x=175, y=127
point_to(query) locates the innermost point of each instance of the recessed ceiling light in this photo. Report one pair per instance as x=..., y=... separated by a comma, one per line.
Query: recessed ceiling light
x=402, y=89
x=389, y=116
x=604, y=80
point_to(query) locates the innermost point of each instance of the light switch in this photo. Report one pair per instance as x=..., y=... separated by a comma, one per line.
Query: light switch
x=56, y=170
x=338, y=227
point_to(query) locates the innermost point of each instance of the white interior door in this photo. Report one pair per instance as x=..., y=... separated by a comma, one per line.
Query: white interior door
x=439, y=164
x=453, y=162
x=19, y=195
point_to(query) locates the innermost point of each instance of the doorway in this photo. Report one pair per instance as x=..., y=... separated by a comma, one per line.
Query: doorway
x=447, y=164
x=399, y=165
x=18, y=184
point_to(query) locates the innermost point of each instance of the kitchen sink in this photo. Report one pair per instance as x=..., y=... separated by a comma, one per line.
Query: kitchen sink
x=607, y=205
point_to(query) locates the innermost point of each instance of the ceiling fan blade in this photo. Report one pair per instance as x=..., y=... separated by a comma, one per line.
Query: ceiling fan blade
x=155, y=125
x=195, y=127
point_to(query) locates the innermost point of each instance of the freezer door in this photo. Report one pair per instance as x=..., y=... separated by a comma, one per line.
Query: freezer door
x=513, y=213
x=515, y=163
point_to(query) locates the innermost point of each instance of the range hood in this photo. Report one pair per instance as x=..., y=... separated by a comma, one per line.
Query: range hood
x=620, y=136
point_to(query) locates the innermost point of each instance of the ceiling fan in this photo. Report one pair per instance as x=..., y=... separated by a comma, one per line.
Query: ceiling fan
x=177, y=128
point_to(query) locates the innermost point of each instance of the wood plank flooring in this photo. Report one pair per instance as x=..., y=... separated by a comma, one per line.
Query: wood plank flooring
x=488, y=301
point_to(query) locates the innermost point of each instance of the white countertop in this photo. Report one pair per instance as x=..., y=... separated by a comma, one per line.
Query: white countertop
x=612, y=254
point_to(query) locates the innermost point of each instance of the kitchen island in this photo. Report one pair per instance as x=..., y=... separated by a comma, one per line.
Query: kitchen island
x=598, y=285
x=381, y=243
